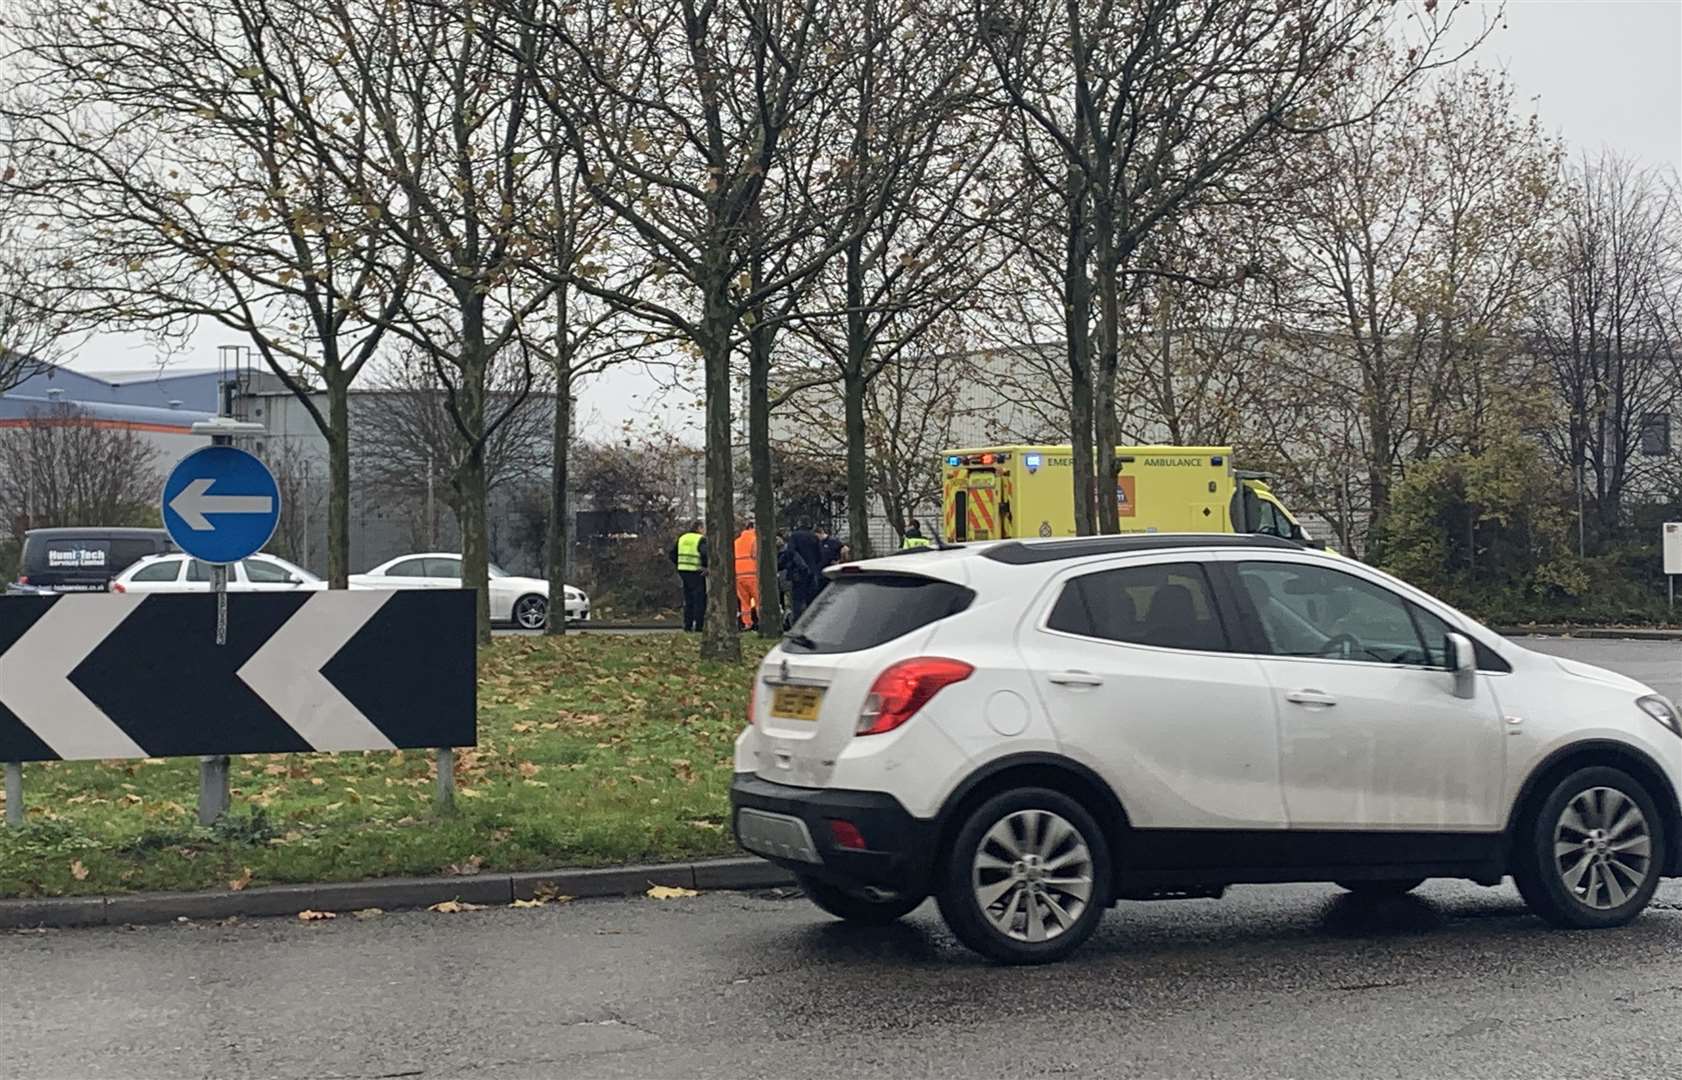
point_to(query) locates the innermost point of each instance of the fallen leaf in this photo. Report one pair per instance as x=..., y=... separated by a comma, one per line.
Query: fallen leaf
x=316, y=781
x=242, y=881
x=670, y=892
x=469, y=866
x=450, y=907
x=468, y=793
x=78, y=871
x=368, y=912
x=332, y=806
x=310, y=915
x=274, y=770
x=527, y=903
x=528, y=768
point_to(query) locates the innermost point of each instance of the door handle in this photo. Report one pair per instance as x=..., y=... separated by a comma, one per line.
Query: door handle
x=1311, y=698
x=1075, y=678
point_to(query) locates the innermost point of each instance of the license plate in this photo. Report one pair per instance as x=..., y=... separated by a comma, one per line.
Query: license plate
x=796, y=702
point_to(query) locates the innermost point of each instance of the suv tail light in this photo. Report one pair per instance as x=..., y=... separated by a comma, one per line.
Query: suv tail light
x=23, y=579
x=117, y=586
x=906, y=687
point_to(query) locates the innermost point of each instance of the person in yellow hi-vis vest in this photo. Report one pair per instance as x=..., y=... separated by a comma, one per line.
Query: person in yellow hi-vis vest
x=689, y=555
x=913, y=536
x=747, y=577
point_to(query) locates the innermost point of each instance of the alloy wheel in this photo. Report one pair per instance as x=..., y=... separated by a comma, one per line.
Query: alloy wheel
x=1032, y=875
x=1603, y=848
x=531, y=612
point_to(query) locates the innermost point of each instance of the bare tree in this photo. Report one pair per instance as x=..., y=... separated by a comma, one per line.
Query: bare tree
x=301, y=503
x=676, y=116
x=921, y=171
x=206, y=162
x=62, y=468
x=1420, y=233
x=407, y=443
x=1607, y=330
x=29, y=335
x=1151, y=107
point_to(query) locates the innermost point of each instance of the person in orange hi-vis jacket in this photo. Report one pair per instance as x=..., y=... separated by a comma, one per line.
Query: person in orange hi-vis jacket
x=747, y=577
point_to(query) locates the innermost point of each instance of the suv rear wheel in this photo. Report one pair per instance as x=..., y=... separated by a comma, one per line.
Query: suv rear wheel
x=1589, y=856
x=857, y=907
x=1027, y=877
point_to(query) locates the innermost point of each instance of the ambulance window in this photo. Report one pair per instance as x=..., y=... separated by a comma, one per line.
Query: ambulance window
x=1270, y=522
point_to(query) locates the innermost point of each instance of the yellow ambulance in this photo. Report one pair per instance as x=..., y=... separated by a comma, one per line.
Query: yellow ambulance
x=1018, y=492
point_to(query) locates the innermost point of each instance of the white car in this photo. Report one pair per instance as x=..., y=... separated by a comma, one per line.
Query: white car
x=522, y=601
x=1031, y=731
x=178, y=573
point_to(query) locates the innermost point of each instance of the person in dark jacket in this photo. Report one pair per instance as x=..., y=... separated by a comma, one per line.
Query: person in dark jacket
x=792, y=570
x=689, y=555
x=829, y=553
x=804, y=580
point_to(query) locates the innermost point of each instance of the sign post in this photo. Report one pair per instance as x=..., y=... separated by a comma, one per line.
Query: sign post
x=1672, y=556
x=220, y=504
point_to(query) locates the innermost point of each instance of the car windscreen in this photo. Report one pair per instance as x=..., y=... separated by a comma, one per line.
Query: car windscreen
x=861, y=611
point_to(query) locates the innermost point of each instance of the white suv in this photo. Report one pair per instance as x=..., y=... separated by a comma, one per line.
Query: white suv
x=1031, y=731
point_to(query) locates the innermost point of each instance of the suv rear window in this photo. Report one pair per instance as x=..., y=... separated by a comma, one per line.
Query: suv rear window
x=1168, y=605
x=857, y=612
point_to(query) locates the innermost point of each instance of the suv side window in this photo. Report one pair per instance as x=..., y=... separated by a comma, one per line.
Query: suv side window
x=443, y=568
x=407, y=568
x=1168, y=605
x=1311, y=611
x=1435, y=633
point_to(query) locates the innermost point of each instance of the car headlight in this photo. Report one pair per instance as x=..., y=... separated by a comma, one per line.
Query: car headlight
x=1662, y=711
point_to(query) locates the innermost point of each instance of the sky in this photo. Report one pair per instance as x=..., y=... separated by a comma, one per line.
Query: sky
x=1600, y=73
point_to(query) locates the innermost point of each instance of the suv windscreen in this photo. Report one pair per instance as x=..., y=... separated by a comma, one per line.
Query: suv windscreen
x=857, y=612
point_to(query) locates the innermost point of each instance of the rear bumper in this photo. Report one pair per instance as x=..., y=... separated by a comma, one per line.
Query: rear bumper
x=790, y=826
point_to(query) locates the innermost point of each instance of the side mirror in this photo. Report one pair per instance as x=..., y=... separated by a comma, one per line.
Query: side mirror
x=293, y=579
x=1463, y=664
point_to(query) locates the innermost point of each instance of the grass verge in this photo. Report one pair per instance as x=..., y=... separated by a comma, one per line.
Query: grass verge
x=593, y=750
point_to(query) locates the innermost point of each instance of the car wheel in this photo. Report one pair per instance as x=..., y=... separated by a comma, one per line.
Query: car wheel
x=1383, y=887
x=1589, y=857
x=1027, y=877
x=531, y=612
x=856, y=907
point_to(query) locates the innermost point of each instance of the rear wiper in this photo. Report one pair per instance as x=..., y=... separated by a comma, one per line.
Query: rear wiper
x=796, y=638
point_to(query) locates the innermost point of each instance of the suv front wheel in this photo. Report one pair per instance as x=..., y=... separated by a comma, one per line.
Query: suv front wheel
x=1027, y=877
x=1590, y=856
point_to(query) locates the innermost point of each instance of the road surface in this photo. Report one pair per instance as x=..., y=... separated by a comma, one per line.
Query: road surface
x=1271, y=981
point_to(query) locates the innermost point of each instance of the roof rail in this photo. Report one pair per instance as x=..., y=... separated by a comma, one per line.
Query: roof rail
x=1017, y=553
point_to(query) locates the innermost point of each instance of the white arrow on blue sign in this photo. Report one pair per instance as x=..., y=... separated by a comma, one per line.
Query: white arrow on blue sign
x=220, y=504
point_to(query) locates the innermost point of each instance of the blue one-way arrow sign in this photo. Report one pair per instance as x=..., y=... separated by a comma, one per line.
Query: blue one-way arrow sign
x=220, y=504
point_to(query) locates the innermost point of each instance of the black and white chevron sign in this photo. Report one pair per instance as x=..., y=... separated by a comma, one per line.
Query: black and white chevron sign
x=124, y=676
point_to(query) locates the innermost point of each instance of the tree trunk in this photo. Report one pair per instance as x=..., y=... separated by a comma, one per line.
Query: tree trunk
x=470, y=478
x=718, y=636
x=1077, y=323
x=759, y=455
x=338, y=485
x=858, y=477
x=560, y=533
x=853, y=384
x=1104, y=427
